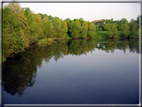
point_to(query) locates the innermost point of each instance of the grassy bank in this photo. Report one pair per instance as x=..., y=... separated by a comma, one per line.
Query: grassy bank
x=50, y=40
x=101, y=34
x=104, y=35
x=45, y=41
x=100, y=37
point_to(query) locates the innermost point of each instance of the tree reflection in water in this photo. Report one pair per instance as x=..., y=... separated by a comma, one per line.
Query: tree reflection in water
x=21, y=71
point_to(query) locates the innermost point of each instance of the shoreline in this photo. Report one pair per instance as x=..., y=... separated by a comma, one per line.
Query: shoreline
x=49, y=41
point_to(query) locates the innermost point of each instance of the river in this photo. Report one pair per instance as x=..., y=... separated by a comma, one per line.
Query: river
x=74, y=72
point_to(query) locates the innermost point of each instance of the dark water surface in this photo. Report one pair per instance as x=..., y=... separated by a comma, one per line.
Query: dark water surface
x=74, y=72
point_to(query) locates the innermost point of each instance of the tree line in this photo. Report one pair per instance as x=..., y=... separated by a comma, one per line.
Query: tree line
x=128, y=29
x=22, y=28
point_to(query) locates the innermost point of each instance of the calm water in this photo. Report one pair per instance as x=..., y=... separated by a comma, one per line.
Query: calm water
x=74, y=72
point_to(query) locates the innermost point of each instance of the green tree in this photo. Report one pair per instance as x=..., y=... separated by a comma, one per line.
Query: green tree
x=68, y=21
x=111, y=29
x=19, y=13
x=84, y=29
x=125, y=29
x=57, y=27
x=39, y=26
x=31, y=32
x=14, y=23
x=44, y=22
x=50, y=29
x=75, y=29
x=64, y=29
x=91, y=30
x=124, y=20
x=81, y=21
x=134, y=29
x=47, y=27
x=38, y=18
x=98, y=28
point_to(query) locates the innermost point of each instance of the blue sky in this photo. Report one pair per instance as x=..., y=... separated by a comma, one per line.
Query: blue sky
x=87, y=11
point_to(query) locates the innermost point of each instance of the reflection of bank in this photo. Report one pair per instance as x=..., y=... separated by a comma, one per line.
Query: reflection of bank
x=20, y=73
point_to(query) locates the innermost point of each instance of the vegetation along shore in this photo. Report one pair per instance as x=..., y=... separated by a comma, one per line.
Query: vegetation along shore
x=23, y=28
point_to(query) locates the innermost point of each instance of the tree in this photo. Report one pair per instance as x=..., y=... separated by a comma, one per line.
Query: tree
x=69, y=25
x=81, y=21
x=91, y=30
x=50, y=29
x=125, y=29
x=57, y=26
x=98, y=28
x=60, y=28
x=124, y=20
x=75, y=29
x=64, y=29
x=111, y=29
x=38, y=18
x=14, y=23
x=19, y=13
x=134, y=29
x=31, y=27
x=9, y=38
x=47, y=26
x=84, y=30
x=39, y=26
x=44, y=22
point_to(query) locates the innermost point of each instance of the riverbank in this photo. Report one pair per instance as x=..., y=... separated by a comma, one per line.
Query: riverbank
x=50, y=40
x=99, y=37
x=45, y=41
x=40, y=43
x=104, y=35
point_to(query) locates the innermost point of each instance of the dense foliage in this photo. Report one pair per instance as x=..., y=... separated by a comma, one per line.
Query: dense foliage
x=112, y=30
x=22, y=28
x=128, y=29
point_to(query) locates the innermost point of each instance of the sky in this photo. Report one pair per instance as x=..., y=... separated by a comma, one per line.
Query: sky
x=87, y=11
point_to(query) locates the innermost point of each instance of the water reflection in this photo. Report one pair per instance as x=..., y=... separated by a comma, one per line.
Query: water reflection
x=20, y=72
